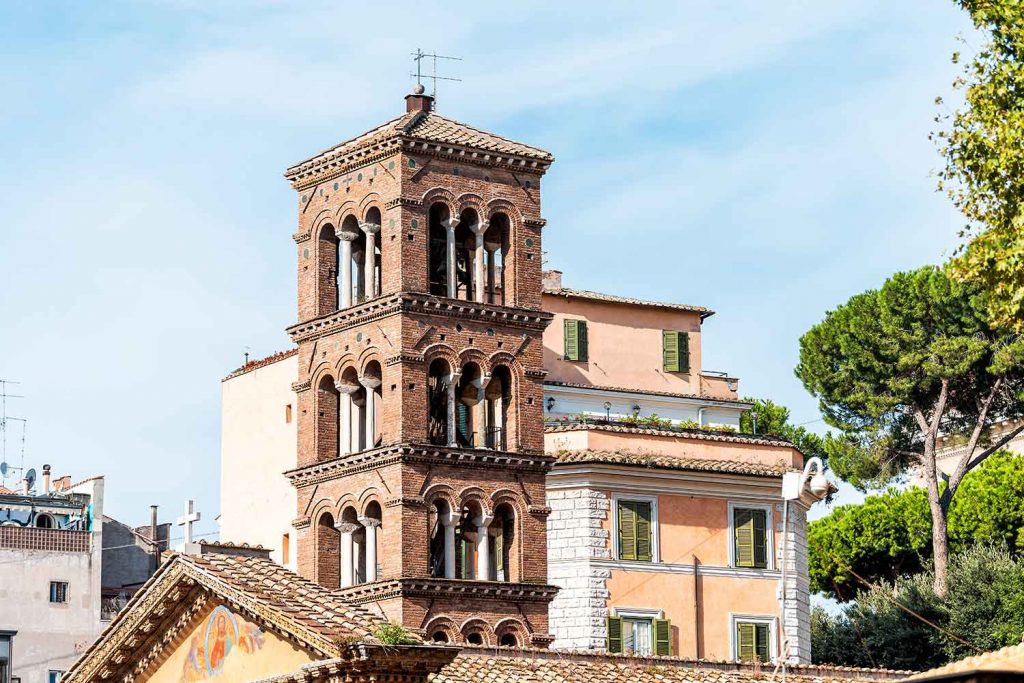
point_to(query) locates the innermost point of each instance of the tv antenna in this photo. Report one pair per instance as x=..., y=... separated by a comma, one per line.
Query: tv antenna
x=5, y=420
x=418, y=57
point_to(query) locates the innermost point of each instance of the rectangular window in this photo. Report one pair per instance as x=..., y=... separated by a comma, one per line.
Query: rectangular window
x=58, y=591
x=639, y=636
x=54, y=676
x=286, y=543
x=5, y=657
x=636, y=530
x=750, y=538
x=675, y=351
x=576, y=340
x=752, y=641
x=288, y=414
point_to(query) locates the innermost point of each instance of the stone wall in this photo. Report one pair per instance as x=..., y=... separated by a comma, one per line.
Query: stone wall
x=797, y=591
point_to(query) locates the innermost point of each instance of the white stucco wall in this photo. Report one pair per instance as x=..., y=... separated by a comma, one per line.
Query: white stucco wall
x=257, y=502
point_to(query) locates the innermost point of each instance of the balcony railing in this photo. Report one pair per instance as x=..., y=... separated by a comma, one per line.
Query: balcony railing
x=53, y=540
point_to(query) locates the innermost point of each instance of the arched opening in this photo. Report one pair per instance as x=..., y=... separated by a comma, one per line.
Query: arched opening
x=468, y=418
x=373, y=253
x=465, y=246
x=497, y=240
x=353, y=548
x=471, y=532
x=372, y=521
x=372, y=381
x=508, y=639
x=438, y=377
x=437, y=249
x=440, y=535
x=475, y=638
x=497, y=400
x=327, y=270
x=349, y=269
x=328, y=419
x=351, y=413
x=327, y=552
x=45, y=521
x=504, y=549
x=439, y=637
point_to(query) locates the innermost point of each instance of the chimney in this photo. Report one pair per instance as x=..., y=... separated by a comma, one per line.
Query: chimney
x=418, y=101
x=154, y=529
x=551, y=280
x=46, y=480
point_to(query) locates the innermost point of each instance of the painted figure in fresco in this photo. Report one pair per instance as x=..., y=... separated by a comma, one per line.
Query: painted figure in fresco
x=213, y=643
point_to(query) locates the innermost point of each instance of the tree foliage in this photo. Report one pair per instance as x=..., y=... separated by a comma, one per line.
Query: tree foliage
x=893, y=366
x=773, y=419
x=886, y=538
x=983, y=148
x=983, y=610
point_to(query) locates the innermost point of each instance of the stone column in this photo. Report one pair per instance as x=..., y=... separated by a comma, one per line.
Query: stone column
x=370, y=525
x=449, y=520
x=370, y=384
x=345, y=392
x=357, y=260
x=478, y=261
x=483, y=547
x=346, y=237
x=491, y=249
x=453, y=381
x=479, y=408
x=346, y=529
x=371, y=230
x=450, y=225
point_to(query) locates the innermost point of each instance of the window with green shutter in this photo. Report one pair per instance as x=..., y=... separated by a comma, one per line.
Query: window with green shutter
x=576, y=340
x=636, y=532
x=750, y=538
x=662, y=637
x=675, y=351
x=752, y=641
x=614, y=639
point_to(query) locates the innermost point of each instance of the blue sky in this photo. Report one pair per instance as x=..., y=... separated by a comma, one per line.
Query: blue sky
x=767, y=160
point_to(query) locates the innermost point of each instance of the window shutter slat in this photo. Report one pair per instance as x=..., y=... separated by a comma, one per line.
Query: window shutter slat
x=683, y=344
x=670, y=351
x=761, y=642
x=760, y=539
x=662, y=637
x=627, y=531
x=745, y=642
x=572, y=340
x=499, y=555
x=581, y=334
x=614, y=625
x=743, y=523
x=644, y=544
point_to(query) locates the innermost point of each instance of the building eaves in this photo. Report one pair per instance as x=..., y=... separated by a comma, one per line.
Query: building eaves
x=669, y=462
x=261, y=363
x=678, y=432
x=739, y=403
x=1008, y=660
x=629, y=301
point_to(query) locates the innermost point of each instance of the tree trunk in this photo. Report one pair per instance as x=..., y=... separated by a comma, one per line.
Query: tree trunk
x=940, y=544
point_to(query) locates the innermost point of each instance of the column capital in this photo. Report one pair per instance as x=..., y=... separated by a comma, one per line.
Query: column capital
x=347, y=527
x=370, y=228
x=483, y=520
x=346, y=388
x=450, y=224
x=450, y=518
x=370, y=383
x=369, y=522
x=453, y=378
x=347, y=235
x=479, y=228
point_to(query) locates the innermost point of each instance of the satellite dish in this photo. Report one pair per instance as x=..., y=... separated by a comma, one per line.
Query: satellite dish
x=30, y=477
x=3, y=469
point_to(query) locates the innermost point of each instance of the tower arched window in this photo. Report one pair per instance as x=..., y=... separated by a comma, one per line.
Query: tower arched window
x=497, y=401
x=438, y=378
x=327, y=270
x=497, y=240
x=327, y=547
x=373, y=246
x=504, y=546
x=437, y=250
x=350, y=265
x=328, y=419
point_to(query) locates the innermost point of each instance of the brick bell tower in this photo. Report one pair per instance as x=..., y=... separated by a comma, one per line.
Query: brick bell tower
x=421, y=463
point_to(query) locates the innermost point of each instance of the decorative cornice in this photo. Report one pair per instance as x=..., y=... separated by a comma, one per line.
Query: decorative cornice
x=301, y=386
x=535, y=222
x=539, y=510
x=455, y=589
x=405, y=501
x=301, y=522
x=301, y=237
x=506, y=160
x=326, y=170
x=403, y=358
x=403, y=201
x=535, y=372
x=423, y=304
x=353, y=463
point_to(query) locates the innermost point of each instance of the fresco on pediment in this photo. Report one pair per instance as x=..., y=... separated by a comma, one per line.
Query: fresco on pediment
x=221, y=635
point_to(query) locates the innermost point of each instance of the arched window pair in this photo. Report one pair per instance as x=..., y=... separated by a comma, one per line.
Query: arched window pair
x=467, y=255
x=471, y=543
x=468, y=409
x=347, y=550
x=348, y=412
x=349, y=262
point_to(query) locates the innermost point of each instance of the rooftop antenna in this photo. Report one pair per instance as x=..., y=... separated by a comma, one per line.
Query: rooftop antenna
x=246, y=355
x=418, y=57
x=5, y=419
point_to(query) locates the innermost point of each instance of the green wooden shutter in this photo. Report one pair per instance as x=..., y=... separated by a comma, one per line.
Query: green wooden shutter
x=760, y=539
x=644, y=537
x=572, y=340
x=743, y=523
x=662, y=637
x=683, y=344
x=614, y=625
x=746, y=637
x=499, y=556
x=581, y=329
x=462, y=422
x=670, y=351
x=627, y=531
x=464, y=557
x=761, y=642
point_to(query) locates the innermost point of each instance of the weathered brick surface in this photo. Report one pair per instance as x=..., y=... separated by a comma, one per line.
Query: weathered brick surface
x=403, y=331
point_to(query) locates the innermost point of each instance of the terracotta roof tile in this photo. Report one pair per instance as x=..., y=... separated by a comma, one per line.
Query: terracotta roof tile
x=1008, y=659
x=677, y=432
x=671, y=462
x=627, y=390
x=615, y=299
x=262, y=362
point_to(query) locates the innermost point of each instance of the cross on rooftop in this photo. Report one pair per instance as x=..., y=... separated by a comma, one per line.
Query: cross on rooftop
x=190, y=517
x=418, y=57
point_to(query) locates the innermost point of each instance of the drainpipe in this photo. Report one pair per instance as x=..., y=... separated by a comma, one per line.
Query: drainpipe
x=153, y=529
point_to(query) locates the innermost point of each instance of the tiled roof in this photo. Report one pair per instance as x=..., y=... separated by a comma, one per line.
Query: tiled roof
x=1007, y=660
x=262, y=362
x=418, y=126
x=614, y=299
x=305, y=603
x=671, y=462
x=626, y=390
x=532, y=666
x=679, y=433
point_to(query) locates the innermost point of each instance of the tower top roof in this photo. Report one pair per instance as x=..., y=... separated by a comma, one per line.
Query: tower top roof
x=424, y=131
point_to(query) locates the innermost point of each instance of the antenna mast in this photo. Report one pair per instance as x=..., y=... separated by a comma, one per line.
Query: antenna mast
x=418, y=57
x=5, y=419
